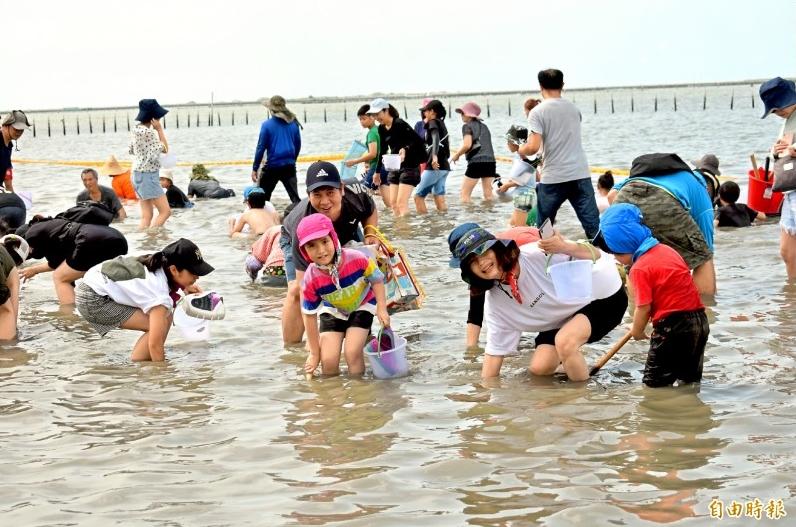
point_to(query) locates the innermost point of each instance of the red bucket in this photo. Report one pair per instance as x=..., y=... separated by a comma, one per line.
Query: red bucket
x=761, y=197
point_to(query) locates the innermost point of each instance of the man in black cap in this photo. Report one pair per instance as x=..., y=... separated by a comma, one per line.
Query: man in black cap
x=13, y=126
x=350, y=208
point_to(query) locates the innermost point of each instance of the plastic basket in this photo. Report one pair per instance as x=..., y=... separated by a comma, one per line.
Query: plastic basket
x=572, y=279
x=387, y=363
x=391, y=162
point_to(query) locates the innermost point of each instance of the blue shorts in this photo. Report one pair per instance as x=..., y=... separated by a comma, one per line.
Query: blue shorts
x=788, y=218
x=147, y=184
x=287, y=249
x=432, y=181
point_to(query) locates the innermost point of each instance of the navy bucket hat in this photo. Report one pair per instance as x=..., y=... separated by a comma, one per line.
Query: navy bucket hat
x=776, y=94
x=149, y=109
x=470, y=238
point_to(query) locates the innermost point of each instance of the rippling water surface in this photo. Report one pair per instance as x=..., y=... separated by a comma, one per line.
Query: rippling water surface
x=230, y=433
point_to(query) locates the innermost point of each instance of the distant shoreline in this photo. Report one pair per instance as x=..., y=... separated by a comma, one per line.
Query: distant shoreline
x=401, y=96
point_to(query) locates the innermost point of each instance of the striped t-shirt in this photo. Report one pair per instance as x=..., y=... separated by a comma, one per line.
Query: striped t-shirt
x=356, y=273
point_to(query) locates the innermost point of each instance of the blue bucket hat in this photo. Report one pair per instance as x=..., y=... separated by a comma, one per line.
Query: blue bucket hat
x=776, y=94
x=623, y=231
x=251, y=189
x=470, y=238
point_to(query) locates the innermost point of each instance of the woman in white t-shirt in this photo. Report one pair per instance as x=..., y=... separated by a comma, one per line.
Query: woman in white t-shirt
x=140, y=293
x=520, y=296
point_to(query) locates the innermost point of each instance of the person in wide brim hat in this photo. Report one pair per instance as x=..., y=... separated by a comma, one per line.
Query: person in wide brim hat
x=278, y=106
x=777, y=94
x=149, y=109
x=112, y=167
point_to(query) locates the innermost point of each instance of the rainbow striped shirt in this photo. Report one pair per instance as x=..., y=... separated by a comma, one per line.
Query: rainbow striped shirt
x=356, y=273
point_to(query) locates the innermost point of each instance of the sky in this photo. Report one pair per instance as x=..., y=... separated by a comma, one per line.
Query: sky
x=110, y=53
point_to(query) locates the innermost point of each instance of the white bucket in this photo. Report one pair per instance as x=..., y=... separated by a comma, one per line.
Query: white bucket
x=572, y=279
x=391, y=161
x=388, y=364
x=193, y=329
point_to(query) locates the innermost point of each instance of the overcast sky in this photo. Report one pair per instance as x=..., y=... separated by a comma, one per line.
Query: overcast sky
x=104, y=53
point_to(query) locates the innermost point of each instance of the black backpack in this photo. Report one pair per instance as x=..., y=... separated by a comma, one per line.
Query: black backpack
x=92, y=212
x=651, y=165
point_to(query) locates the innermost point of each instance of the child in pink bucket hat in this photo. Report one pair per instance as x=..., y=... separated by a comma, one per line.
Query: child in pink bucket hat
x=344, y=289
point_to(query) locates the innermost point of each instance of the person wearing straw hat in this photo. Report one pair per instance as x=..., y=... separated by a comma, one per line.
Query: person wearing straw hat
x=779, y=97
x=521, y=296
x=280, y=142
x=99, y=193
x=147, y=143
x=13, y=126
x=120, y=178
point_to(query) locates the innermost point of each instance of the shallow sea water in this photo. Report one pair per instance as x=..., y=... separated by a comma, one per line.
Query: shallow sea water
x=230, y=433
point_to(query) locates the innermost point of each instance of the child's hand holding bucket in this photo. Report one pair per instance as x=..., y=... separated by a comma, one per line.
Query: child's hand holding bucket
x=383, y=316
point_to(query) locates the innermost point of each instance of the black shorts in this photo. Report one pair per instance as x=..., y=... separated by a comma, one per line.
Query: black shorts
x=604, y=315
x=357, y=319
x=677, y=349
x=405, y=176
x=481, y=170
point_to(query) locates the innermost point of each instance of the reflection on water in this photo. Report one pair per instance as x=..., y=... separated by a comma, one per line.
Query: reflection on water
x=229, y=432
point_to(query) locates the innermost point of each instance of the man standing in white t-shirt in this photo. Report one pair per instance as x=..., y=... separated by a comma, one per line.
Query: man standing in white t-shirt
x=555, y=123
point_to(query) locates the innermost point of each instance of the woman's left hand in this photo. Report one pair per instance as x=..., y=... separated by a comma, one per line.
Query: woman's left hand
x=792, y=151
x=27, y=273
x=402, y=153
x=554, y=244
x=435, y=163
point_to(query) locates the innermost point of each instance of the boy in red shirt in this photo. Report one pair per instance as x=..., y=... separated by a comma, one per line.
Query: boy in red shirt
x=665, y=292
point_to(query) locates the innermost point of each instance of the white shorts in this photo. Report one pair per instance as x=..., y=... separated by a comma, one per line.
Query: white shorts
x=788, y=218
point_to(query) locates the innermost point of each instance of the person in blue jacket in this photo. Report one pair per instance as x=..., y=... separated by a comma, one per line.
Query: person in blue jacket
x=280, y=141
x=677, y=206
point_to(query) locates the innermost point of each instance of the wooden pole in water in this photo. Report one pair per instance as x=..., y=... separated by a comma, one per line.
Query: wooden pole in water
x=63, y=123
x=732, y=100
x=488, y=110
x=218, y=118
x=115, y=129
x=197, y=118
x=90, y=126
x=324, y=114
x=48, y=127
x=34, y=128
x=705, y=100
x=305, y=115
x=128, y=122
x=406, y=114
x=103, y=123
x=612, y=104
x=675, y=103
x=77, y=124
x=247, y=116
x=178, y=120
x=656, y=103
x=753, y=101
x=509, y=105
x=164, y=122
x=233, y=117
x=595, y=105
x=632, y=104
x=345, y=114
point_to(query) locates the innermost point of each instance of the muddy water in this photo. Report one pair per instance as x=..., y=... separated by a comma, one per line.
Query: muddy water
x=230, y=433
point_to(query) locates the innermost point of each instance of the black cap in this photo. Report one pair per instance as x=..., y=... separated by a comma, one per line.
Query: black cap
x=437, y=106
x=186, y=255
x=322, y=174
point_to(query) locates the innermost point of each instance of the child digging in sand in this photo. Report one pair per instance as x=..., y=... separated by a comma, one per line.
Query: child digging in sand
x=346, y=289
x=665, y=292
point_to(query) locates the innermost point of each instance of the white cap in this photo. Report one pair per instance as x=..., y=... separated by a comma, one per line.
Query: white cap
x=378, y=105
x=22, y=250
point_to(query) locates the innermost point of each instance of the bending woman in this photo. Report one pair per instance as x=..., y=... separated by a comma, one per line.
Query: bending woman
x=13, y=251
x=139, y=293
x=70, y=249
x=520, y=296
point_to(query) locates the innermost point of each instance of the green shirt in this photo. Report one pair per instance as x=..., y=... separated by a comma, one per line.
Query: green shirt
x=373, y=137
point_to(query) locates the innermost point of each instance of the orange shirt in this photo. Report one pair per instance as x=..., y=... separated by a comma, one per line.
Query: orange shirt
x=123, y=186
